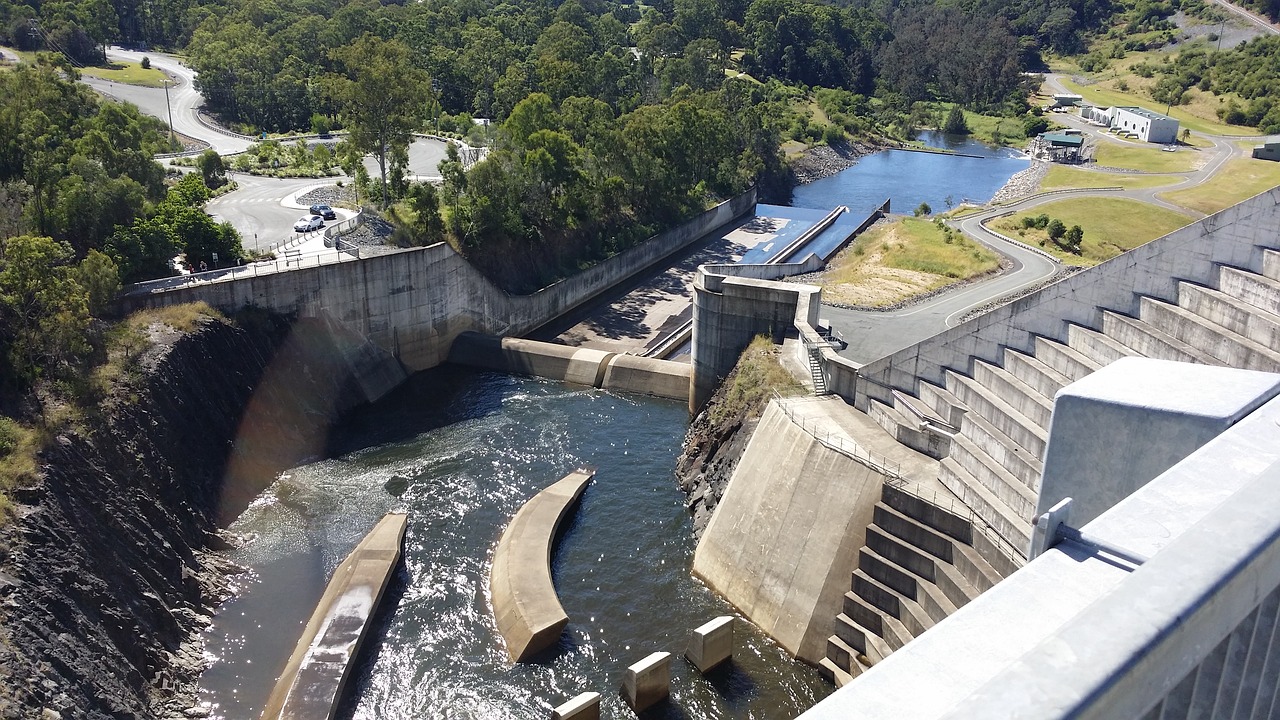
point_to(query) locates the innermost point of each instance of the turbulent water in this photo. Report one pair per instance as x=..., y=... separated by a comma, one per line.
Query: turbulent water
x=460, y=452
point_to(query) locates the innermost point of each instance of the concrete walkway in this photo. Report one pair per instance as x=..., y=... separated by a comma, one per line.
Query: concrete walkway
x=312, y=683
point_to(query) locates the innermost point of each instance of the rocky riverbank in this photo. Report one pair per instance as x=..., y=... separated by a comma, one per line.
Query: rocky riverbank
x=1023, y=183
x=822, y=161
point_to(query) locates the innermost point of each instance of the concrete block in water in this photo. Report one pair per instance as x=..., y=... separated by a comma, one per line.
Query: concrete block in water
x=647, y=682
x=584, y=707
x=711, y=643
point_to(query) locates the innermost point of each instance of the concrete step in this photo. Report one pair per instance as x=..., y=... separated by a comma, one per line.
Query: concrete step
x=1003, y=558
x=1231, y=313
x=905, y=428
x=871, y=648
x=1062, y=358
x=1046, y=380
x=929, y=514
x=1094, y=345
x=1271, y=264
x=844, y=658
x=834, y=675
x=1010, y=455
x=941, y=402
x=1002, y=483
x=877, y=622
x=1149, y=341
x=995, y=512
x=928, y=567
x=907, y=611
x=1256, y=290
x=1021, y=396
x=927, y=594
x=984, y=568
x=1223, y=345
x=980, y=574
x=1007, y=419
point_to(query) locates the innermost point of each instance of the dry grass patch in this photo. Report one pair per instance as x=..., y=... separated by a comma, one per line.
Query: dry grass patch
x=895, y=262
x=758, y=374
x=1061, y=176
x=1240, y=179
x=1111, y=226
x=132, y=337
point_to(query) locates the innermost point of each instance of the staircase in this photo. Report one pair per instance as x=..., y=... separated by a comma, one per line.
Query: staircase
x=815, y=370
x=919, y=564
x=989, y=427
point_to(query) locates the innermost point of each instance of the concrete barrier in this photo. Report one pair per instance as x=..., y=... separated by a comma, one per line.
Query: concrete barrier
x=525, y=604
x=584, y=366
x=711, y=643
x=584, y=707
x=313, y=680
x=647, y=682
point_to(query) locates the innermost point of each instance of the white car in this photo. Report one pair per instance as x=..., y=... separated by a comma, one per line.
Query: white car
x=307, y=223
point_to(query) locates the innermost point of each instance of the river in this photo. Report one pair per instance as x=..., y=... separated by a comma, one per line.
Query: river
x=910, y=178
x=460, y=451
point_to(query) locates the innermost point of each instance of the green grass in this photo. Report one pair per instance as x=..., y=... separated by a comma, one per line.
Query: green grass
x=1111, y=226
x=757, y=375
x=994, y=130
x=1099, y=94
x=924, y=247
x=128, y=74
x=1239, y=179
x=1061, y=176
x=1145, y=157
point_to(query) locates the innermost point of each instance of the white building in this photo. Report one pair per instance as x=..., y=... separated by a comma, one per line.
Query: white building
x=1148, y=126
x=1097, y=115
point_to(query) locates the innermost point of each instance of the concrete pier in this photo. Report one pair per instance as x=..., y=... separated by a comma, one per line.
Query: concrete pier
x=583, y=707
x=647, y=682
x=525, y=604
x=711, y=643
x=314, y=678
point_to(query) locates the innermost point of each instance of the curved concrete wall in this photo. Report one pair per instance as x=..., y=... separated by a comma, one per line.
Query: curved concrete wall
x=412, y=304
x=525, y=603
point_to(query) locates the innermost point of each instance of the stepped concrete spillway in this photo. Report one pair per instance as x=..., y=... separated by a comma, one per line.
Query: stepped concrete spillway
x=313, y=680
x=525, y=603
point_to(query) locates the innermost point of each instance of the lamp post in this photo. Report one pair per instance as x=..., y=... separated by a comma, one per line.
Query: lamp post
x=168, y=107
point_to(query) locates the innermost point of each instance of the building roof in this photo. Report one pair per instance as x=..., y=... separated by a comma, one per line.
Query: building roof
x=1063, y=139
x=1149, y=114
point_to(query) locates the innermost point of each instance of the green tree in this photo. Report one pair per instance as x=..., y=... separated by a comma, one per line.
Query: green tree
x=212, y=169
x=955, y=124
x=100, y=278
x=1073, y=238
x=44, y=311
x=1056, y=229
x=379, y=97
x=923, y=209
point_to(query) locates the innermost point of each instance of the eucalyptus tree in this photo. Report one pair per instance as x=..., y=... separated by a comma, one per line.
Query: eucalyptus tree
x=381, y=98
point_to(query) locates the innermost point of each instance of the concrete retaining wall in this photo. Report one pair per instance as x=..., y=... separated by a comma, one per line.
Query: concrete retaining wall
x=1192, y=253
x=785, y=537
x=412, y=304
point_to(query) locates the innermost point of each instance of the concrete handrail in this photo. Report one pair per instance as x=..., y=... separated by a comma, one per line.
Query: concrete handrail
x=525, y=603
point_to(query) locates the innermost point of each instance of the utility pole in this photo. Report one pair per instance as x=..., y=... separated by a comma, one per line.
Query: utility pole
x=168, y=107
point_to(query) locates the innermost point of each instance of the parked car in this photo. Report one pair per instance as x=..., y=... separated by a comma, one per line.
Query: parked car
x=307, y=223
x=324, y=211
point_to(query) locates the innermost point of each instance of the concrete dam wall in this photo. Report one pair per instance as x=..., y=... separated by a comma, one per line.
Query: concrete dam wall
x=410, y=305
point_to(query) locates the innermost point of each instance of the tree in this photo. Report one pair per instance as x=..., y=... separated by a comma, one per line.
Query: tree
x=212, y=169
x=44, y=312
x=1056, y=229
x=923, y=209
x=379, y=97
x=1071, y=241
x=955, y=124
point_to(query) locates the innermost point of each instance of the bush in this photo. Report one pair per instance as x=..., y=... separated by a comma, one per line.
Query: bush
x=1056, y=229
x=923, y=209
x=146, y=63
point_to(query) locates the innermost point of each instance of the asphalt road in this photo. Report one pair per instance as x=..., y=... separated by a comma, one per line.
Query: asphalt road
x=259, y=211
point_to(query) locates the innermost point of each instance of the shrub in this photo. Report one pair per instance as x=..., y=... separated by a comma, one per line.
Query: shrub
x=146, y=63
x=923, y=209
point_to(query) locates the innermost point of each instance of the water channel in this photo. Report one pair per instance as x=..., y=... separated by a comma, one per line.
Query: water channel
x=910, y=178
x=460, y=451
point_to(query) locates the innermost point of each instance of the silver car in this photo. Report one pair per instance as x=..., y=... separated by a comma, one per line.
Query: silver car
x=307, y=223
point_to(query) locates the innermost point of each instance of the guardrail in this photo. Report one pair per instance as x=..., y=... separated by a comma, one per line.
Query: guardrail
x=891, y=470
x=289, y=261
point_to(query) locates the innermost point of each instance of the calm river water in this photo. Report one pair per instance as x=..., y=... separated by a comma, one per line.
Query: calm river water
x=461, y=451
x=910, y=178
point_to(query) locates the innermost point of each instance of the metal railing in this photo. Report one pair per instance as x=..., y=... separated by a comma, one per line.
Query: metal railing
x=290, y=261
x=957, y=507
x=841, y=444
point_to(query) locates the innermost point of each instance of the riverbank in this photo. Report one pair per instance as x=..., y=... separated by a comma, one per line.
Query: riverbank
x=1023, y=183
x=823, y=161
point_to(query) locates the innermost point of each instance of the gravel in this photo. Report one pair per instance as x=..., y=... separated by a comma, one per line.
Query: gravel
x=1023, y=183
x=329, y=195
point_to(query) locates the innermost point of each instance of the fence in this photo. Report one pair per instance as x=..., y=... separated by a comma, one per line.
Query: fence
x=840, y=443
x=288, y=261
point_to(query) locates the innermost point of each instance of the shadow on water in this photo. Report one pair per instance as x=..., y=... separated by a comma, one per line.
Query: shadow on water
x=665, y=710
x=426, y=401
x=733, y=684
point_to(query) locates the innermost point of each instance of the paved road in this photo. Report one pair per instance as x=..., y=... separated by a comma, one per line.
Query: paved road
x=1251, y=16
x=261, y=209
x=183, y=99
